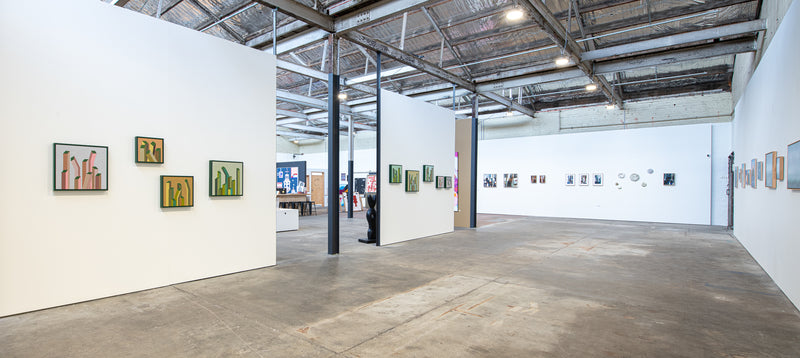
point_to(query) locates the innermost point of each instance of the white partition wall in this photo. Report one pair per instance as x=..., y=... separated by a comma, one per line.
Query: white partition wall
x=683, y=150
x=415, y=133
x=767, y=118
x=86, y=72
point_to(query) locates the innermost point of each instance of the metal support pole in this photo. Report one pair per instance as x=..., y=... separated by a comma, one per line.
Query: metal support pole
x=378, y=153
x=352, y=190
x=473, y=168
x=333, y=164
x=275, y=31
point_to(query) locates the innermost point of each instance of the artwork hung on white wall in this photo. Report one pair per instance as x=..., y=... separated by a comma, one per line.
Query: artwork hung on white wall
x=760, y=170
x=793, y=166
x=753, y=165
x=541, y=179
x=510, y=180
x=634, y=177
x=770, y=176
x=584, y=179
x=669, y=179
x=427, y=173
x=533, y=179
x=440, y=182
x=490, y=180
x=650, y=171
x=621, y=175
x=448, y=182
x=80, y=167
x=736, y=177
x=779, y=168
x=412, y=181
x=395, y=173
x=597, y=179
x=570, y=179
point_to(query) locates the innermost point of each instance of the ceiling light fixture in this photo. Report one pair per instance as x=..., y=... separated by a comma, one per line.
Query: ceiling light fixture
x=610, y=106
x=514, y=14
x=342, y=96
x=562, y=61
x=591, y=87
x=509, y=113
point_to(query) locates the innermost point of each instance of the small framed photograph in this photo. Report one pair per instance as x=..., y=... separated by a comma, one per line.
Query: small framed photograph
x=149, y=150
x=570, y=179
x=489, y=181
x=597, y=179
x=395, y=173
x=412, y=181
x=583, y=179
x=541, y=179
x=669, y=179
x=427, y=173
x=448, y=182
x=533, y=179
x=770, y=175
x=177, y=191
x=510, y=180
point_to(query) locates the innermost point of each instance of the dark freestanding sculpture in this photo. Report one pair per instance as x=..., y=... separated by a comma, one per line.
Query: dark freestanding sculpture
x=371, y=199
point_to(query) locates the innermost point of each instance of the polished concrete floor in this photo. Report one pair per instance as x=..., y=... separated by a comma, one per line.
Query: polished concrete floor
x=515, y=287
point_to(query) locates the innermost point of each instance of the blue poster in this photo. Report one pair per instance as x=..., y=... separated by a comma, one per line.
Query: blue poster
x=287, y=179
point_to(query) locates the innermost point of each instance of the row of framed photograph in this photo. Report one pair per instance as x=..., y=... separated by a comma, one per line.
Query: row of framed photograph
x=771, y=170
x=511, y=180
x=82, y=167
x=412, y=178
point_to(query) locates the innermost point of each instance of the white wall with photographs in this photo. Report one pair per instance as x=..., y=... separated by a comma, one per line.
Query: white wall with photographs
x=685, y=151
x=767, y=118
x=107, y=76
x=415, y=133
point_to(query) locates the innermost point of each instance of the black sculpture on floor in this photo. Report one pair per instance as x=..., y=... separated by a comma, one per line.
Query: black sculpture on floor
x=371, y=215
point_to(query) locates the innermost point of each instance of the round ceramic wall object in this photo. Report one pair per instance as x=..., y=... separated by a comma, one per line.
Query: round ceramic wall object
x=644, y=184
x=634, y=177
x=649, y=171
x=621, y=175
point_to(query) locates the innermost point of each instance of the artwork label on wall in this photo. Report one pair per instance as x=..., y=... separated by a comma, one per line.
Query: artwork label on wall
x=510, y=180
x=427, y=173
x=533, y=179
x=770, y=176
x=440, y=182
x=669, y=179
x=80, y=167
x=793, y=166
x=225, y=178
x=779, y=168
x=372, y=184
x=541, y=179
x=489, y=181
x=395, y=173
x=149, y=150
x=570, y=179
x=583, y=179
x=448, y=182
x=597, y=179
x=412, y=181
x=177, y=191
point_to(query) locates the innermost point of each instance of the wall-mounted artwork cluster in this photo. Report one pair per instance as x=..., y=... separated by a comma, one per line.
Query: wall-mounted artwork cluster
x=85, y=167
x=773, y=169
x=412, y=178
x=80, y=167
x=538, y=179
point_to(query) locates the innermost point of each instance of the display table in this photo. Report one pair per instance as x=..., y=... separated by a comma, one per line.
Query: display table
x=287, y=220
x=288, y=198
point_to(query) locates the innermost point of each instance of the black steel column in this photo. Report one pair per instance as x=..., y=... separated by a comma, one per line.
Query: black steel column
x=333, y=164
x=473, y=168
x=350, y=188
x=378, y=154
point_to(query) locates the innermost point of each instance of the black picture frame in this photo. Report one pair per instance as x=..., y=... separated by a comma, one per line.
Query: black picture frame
x=189, y=180
x=158, y=153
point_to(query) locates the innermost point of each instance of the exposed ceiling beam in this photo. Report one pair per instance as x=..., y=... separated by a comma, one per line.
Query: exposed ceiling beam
x=377, y=12
x=288, y=97
x=224, y=26
x=302, y=39
x=447, y=42
x=298, y=135
x=679, y=39
x=305, y=128
x=264, y=37
x=508, y=103
x=407, y=58
x=322, y=76
x=291, y=114
x=539, y=12
x=225, y=16
x=122, y=3
x=301, y=12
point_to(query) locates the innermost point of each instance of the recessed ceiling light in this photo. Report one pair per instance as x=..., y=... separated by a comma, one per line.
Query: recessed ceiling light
x=562, y=61
x=591, y=87
x=514, y=14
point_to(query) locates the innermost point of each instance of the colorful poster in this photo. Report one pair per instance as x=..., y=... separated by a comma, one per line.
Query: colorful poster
x=288, y=179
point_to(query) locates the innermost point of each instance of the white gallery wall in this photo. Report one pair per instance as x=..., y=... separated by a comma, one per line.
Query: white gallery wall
x=683, y=150
x=415, y=133
x=767, y=118
x=86, y=72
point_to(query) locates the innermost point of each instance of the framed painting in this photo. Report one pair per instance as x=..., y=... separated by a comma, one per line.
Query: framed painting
x=735, y=177
x=80, y=167
x=489, y=181
x=669, y=179
x=448, y=182
x=225, y=178
x=779, y=168
x=149, y=150
x=569, y=179
x=412, y=181
x=541, y=179
x=427, y=173
x=395, y=173
x=510, y=180
x=177, y=191
x=534, y=179
x=440, y=182
x=597, y=179
x=372, y=184
x=753, y=165
x=583, y=179
x=793, y=166
x=770, y=176
x=760, y=170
